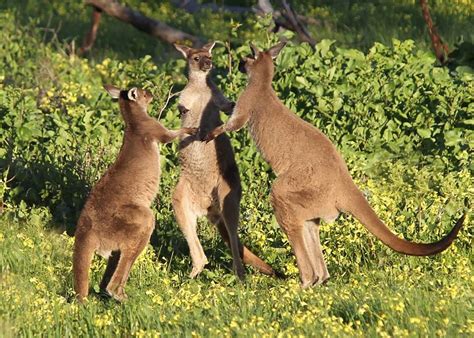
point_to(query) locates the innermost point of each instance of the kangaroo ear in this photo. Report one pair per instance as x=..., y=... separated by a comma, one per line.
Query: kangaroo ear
x=113, y=91
x=275, y=50
x=183, y=49
x=209, y=46
x=254, y=50
x=133, y=94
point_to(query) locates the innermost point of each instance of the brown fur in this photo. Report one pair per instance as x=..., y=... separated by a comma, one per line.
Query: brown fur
x=312, y=182
x=209, y=184
x=116, y=220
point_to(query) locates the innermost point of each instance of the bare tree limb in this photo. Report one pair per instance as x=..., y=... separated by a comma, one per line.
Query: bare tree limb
x=292, y=18
x=148, y=25
x=440, y=48
x=263, y=7
x=92, y=35
x=192, y=6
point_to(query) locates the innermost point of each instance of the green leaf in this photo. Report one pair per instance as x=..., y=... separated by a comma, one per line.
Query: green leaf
x=425, y=133
x=324, y=46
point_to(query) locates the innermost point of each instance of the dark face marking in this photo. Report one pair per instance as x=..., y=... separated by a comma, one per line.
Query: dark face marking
x=245, y=63
x=143, y=97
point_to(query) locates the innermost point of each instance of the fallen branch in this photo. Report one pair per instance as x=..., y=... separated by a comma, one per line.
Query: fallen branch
x=286, y=18
x=440, y=48
x=292, y=21
x=192, y=6
x=148, y=25
x=89, y=39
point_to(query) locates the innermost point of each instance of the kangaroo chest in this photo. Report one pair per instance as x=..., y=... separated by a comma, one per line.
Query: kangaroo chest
x=196, y=101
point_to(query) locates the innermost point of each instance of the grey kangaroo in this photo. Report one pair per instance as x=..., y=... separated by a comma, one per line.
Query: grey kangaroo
x=313, y=181
x=116, y=220
x=209, y=183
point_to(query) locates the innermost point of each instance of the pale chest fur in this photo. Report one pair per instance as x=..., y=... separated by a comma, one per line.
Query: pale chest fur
x=195, y=99
x=199, y=159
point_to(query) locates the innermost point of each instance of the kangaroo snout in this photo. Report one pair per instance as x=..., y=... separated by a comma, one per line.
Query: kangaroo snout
x=242, y=66
x=205, y=64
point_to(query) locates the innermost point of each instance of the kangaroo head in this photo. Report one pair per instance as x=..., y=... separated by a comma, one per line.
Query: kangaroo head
x=133, y=102
x=199, y=60
x=260, y=63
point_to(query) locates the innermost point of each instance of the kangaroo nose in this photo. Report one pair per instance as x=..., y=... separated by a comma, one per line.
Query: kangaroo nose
x=206, y=64
x=242, y=66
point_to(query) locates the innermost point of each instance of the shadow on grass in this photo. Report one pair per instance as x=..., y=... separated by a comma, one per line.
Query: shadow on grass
x=41, y=183
x=171, y=247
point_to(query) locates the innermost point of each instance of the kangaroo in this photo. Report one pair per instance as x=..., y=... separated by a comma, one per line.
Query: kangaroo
x=116, y=220
x=313, y=181
x=209, y=183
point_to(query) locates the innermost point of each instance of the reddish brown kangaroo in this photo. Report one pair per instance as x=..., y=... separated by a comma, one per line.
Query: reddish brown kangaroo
x=312, y=182
x=209, y=183
x=116, y=220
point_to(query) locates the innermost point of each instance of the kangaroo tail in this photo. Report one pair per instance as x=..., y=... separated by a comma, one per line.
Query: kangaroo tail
x=360, y=209
x=248, y=257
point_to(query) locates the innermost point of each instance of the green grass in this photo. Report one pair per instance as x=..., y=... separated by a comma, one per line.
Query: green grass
x=403, y=125
x=387, y=295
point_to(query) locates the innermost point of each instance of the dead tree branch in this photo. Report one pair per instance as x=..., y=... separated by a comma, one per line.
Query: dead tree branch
x=148, y=25
x=192, y=6
x=89, y=39
x=440, y=48
x=286, y=18
x=296, y=25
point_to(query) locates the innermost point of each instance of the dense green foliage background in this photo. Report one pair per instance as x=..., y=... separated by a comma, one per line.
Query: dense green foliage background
x=403, y=124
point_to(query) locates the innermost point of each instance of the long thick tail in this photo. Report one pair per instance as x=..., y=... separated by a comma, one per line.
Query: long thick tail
x=248, y=257
x=360, y=209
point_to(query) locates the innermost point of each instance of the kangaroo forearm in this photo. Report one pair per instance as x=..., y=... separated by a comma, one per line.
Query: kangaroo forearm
x=236, y=122
x=170, y=135
x=224, y=104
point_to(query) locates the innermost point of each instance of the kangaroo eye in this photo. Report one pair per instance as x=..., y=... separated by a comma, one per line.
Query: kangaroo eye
x=196, y=58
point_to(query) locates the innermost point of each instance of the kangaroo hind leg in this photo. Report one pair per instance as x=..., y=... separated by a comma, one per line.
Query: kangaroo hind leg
x=313, y=243
x=229, y=200
x=110, y=269
x=289, y=217
x=84, y=248
x=138, y=232
x=187, y=221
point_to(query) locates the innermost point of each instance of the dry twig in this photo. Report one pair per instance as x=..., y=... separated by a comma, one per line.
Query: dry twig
x=168, y=100
x=440, y=48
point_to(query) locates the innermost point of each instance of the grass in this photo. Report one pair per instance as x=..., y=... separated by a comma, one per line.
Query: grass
x=389, y=295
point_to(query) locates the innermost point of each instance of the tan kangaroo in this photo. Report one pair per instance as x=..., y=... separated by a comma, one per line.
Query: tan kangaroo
x=312, y=182
x=116, y=220
x=209, y=183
